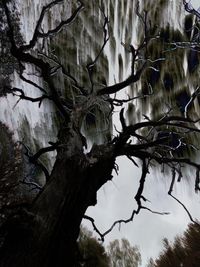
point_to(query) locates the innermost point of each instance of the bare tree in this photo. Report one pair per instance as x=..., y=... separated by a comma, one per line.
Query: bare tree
x=45, y=232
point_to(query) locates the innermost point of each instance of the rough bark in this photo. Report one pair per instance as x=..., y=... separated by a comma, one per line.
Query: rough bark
x=46, y=234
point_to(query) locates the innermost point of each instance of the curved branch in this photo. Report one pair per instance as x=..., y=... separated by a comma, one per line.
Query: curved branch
x=86, y=217
x=175, y=198
x=168, y=121
x=147, y=145
x=34, y=159
x=119, y=86
x=141, y=154
x=189, y=8
x=31, y=184
x=42, y=151
x=22, y=95
x=37, y=34
x=21, y=70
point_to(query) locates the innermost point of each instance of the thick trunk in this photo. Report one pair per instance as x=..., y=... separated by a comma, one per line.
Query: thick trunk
x=46, y=235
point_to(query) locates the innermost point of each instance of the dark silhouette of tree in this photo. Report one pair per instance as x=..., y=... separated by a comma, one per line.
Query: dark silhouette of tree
x=92, y=251
x=150, y=263
x=184, y=251
x=44, y=232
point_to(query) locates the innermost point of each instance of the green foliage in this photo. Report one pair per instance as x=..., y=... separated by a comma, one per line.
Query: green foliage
x=185, y=250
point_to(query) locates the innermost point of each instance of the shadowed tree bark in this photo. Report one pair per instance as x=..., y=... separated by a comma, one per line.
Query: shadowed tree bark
x=44, y=233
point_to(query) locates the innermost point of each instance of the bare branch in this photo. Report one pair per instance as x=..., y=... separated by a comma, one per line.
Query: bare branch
x=45, y=67
x=142, y=182
x=173, y=181
x=156, y=143
x=135, y=75
x=122, y=119
x=86, y=217
x=65, y=72
x=38, y=34
x=119, y=86
x=90, y=66
x=35, y=160
x=193, y=97
x=187, y=211
x=42, y=151
x=133, y=161
x=189, y=8
x=22, y=95
x=177, y=121
x=155, y=212
x=120, y=102
x=31, y=184
x=23, y=78
x=170, y=194
x=159, y=159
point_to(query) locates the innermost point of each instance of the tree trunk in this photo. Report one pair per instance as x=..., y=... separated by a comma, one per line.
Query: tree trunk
x=46, y=234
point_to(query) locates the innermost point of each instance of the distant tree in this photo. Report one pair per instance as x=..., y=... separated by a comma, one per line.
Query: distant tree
x=122, y=254
x=184, y=251
x=119, y=253
x=91, y=250
x=150, y=263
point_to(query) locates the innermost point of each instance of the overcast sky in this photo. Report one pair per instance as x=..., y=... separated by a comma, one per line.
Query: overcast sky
x=195, y=3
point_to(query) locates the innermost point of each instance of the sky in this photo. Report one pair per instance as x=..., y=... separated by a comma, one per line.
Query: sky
x=195, y=3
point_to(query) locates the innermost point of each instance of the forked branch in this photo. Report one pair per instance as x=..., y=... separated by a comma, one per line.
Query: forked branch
x=37, y=32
